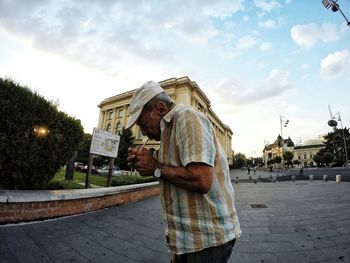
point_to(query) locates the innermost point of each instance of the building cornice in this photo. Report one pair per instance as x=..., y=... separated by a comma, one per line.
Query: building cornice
x=185, y=80
x=125, y=95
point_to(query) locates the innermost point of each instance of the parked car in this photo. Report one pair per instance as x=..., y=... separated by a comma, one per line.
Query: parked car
x=78, y=166
x=104, y=172
x=93, y=169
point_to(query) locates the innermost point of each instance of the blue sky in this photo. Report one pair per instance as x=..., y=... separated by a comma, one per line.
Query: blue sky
x=256, y=60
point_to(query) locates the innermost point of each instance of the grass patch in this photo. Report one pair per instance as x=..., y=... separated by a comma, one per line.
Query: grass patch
x=78, y=182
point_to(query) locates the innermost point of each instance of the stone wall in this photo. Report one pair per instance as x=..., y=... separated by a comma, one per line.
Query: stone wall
x=24, y=205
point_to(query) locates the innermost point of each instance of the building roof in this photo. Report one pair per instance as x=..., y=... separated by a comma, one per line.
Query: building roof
x=289, y=142
x=279, y=142
x=300, y=147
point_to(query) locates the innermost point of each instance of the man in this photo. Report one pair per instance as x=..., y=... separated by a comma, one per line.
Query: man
x=196, y=192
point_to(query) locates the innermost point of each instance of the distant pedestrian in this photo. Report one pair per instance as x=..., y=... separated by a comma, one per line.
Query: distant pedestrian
x=254, y=169
x=301, y=171
x=248, y=169
x=197, y=197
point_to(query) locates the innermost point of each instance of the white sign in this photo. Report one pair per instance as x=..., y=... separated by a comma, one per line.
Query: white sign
x=104, y=143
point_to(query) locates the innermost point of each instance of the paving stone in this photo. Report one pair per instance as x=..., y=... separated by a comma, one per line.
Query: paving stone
x=111, y=257
x=253, y=258
x=303, y=222
x=69, y=256
x=32, y=255
x=270, y=247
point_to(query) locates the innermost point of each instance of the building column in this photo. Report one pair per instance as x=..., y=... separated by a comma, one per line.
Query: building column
x=101, y=119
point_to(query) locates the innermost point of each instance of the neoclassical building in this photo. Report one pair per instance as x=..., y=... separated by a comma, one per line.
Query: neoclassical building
x=114, y=111
x=304, y=153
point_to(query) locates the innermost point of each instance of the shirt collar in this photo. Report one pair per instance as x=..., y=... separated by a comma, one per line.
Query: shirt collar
x=169, y=116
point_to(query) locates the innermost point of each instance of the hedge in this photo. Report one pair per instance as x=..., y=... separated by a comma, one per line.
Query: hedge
x=30, y=157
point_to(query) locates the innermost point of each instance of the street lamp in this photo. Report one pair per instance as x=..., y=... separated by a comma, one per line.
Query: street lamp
x=41, y=131
x=334, y=7
x=283, y=122
x=333, y=123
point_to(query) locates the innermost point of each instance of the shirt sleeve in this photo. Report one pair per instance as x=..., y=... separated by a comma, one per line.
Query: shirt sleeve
x=195, y=138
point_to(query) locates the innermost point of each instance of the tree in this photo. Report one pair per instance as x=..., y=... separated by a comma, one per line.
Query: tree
x=288, y=157
x=296, y=162
x=239, y=160
x=277, y=159
x=83, y=152
x=334, y=144
x=257, y=161
x=318, y=159
x=327, y=158
x=126, y=141
x=35, y=138
x=81, y=155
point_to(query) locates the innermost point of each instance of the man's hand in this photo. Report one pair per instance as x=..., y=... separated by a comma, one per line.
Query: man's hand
x=132, y=156
x=142, y=160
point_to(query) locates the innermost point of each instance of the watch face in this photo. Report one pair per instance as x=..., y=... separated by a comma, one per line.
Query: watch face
x=157, y=172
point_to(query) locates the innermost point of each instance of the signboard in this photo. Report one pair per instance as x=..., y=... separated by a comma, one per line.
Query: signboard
x=104, y=143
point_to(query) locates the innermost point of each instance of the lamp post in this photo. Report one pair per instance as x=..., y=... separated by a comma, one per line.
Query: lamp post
x=335, y=7
x=333, y=123
x=283, y=122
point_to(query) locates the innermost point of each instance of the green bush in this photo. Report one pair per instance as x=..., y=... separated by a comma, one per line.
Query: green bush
x=35, y=138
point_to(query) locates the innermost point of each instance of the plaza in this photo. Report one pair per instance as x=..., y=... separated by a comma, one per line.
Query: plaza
x=300, y=221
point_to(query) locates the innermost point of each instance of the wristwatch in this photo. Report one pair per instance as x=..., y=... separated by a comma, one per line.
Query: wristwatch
x=158, y=171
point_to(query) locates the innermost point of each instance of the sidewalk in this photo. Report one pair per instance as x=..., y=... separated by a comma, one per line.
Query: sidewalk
x=303, y=222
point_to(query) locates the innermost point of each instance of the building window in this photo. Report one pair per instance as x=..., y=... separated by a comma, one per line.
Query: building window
x=118, y=127
x=109, y=127
x=305, y=156
x=120, y=113
x=299, y=157
x=127, y=111
x=110, y=115
x=200, y=107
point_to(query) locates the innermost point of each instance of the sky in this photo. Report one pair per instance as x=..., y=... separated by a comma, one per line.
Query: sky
x=258, y=61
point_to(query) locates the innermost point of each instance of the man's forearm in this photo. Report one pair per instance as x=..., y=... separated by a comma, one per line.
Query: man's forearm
x=195, y=178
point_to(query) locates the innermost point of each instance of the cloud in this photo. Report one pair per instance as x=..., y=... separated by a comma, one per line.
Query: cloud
x=220, y=9
x=267, y=5
x=335, y=64
x=230, y=49
x=246, y=42
x=268, y=24
x=230, y=91
x=306, y=36
x=111, y=35
x=265, y=46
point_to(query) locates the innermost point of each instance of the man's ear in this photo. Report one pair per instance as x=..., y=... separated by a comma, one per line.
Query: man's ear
x=162, y=108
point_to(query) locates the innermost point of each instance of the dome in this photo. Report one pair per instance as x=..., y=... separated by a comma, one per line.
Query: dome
x=289, y=142
x=279, y=141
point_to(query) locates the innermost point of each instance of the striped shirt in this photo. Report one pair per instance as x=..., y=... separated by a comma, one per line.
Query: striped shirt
x=194, y=221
